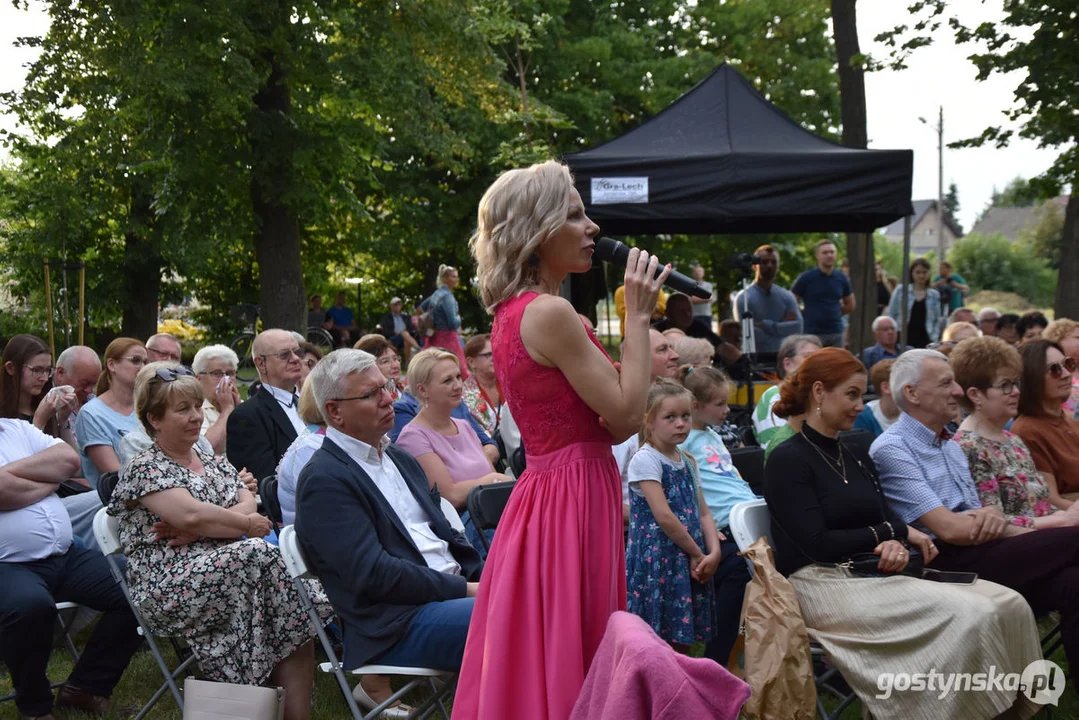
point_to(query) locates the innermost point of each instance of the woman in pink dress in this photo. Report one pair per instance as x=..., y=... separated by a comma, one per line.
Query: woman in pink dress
x=556, y=570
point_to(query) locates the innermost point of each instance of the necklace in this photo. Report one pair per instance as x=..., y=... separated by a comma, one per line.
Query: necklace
x=839, y=466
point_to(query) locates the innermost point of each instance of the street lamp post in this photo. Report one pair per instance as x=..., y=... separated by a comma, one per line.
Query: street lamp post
x=940, y=182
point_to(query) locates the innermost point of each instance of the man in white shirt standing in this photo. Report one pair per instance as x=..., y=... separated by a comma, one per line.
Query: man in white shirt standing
x=400, y=578
x=260, y=430
x=39, y=566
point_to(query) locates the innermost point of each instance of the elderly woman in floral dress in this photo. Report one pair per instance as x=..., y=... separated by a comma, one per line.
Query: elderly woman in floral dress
x=197, y=564
x=988, y=370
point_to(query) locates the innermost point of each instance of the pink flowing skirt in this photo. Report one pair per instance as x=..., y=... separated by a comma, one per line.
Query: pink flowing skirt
x=449, y=340
x=555, y=574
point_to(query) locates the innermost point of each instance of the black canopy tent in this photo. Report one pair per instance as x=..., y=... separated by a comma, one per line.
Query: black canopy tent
x=722, y=159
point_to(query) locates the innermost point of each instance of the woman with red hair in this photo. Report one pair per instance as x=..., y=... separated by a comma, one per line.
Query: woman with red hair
x=827, y=508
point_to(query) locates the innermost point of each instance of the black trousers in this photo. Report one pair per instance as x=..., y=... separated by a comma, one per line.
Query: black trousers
x=729, y=584
x=29, y=592
x=1042, y=566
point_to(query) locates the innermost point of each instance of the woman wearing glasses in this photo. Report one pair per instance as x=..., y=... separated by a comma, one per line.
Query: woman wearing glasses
x=988, y=370
x=387, y=360
x=1051, y=435
x=103, y=422
x=197, y=564
x=27, y=367
x=215, y=367
x=482, y=393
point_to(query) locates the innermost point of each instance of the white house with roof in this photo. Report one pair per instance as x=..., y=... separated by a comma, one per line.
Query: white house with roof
x=923, y=229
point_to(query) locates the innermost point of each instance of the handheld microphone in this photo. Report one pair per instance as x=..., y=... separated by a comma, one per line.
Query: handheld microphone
x=617, y=253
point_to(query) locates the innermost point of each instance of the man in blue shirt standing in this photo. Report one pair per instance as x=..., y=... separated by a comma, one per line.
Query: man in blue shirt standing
x=775, y=311
x=826, y=296
x=344, y=321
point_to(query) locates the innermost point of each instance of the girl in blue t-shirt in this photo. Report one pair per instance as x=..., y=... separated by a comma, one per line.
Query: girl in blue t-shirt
x=723, y=488
x=673, y=548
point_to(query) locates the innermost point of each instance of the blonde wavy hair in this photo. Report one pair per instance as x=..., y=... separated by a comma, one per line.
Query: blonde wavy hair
x=521, y=210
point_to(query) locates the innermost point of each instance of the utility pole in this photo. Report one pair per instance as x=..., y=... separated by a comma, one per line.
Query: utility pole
x=940, y=181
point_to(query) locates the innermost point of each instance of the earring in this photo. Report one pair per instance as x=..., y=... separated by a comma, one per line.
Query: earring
x=818, y=411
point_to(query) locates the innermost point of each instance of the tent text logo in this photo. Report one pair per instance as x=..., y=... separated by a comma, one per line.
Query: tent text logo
x=609, y=191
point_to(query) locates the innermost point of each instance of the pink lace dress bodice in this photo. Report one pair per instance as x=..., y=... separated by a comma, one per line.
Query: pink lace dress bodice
x=549, y=412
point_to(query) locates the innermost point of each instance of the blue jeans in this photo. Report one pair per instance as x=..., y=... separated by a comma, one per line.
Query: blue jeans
x=81, y=509
x=435, y=637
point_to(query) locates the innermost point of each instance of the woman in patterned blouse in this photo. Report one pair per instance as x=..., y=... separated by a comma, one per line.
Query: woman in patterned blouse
x=988, y=370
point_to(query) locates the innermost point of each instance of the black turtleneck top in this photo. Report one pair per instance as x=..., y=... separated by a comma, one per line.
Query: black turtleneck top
x=816, y=517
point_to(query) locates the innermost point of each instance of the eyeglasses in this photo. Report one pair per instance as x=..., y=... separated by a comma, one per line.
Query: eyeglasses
x=171, y=374
x=1058, y=369
x=136, y=360
x=231, y=374
x=486, y=355
x=40, y=370
x=1006, y=387
x=387, y=387
x=162, y=355
x=286, y=355
x=310, y=363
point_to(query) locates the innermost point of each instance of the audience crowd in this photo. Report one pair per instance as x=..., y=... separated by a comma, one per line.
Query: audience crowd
x=970, y=463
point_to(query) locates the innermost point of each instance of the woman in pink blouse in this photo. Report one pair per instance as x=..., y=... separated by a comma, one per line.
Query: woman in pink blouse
x=988, y=370
x=448, y=449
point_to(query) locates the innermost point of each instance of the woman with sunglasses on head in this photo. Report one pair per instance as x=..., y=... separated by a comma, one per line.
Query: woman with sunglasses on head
x=27, y=367
x=1051, y=435
x=988, y=369
x=198, y=566
x=215, y=367
x=103, y=422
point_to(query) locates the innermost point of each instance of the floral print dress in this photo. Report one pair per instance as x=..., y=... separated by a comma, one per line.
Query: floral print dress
x=658, y=583
x=232, y=600
x=482, y=410
x=1006, y=478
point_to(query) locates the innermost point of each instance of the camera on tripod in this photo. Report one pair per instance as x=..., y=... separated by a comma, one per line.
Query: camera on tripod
x=744, y=262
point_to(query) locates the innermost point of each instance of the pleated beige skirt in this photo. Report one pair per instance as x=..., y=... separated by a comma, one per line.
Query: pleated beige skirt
x=871, y=627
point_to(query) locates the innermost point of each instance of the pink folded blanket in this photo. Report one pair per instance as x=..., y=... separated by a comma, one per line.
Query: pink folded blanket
x=637, y=676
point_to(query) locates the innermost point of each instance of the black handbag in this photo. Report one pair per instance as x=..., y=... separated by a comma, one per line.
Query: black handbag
x=868, y=564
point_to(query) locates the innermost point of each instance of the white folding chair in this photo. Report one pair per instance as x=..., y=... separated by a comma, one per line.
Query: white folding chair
x=451, y=515
x=298, y=569
x=107, y=533
x=751, y=521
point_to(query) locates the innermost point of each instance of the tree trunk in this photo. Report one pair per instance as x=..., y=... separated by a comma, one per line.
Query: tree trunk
x=142, y=266
x=852, y=103
x=1067, y=300
x=277, y=240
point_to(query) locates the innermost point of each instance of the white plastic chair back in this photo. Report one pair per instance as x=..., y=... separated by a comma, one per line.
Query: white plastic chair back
x=107, y=533
x=289, y=544
x=750, y=520
x=451, y=514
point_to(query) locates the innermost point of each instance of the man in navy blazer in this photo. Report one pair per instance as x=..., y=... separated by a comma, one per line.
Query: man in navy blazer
x=400, y=578
x=260, y=430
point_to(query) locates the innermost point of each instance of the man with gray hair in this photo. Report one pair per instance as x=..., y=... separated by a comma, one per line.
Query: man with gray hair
x=928, y=483
x=260, y=430
x=987, y=321
x=792, y=352
x=163, y=347
x=79, y=368
x=401, y=579
x=887, y=335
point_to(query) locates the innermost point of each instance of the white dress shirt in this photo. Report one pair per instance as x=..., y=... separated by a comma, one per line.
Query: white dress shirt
x=287, y=400
x=388, y=479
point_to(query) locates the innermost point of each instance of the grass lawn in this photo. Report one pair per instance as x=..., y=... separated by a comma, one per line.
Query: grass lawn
x=143, y=678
